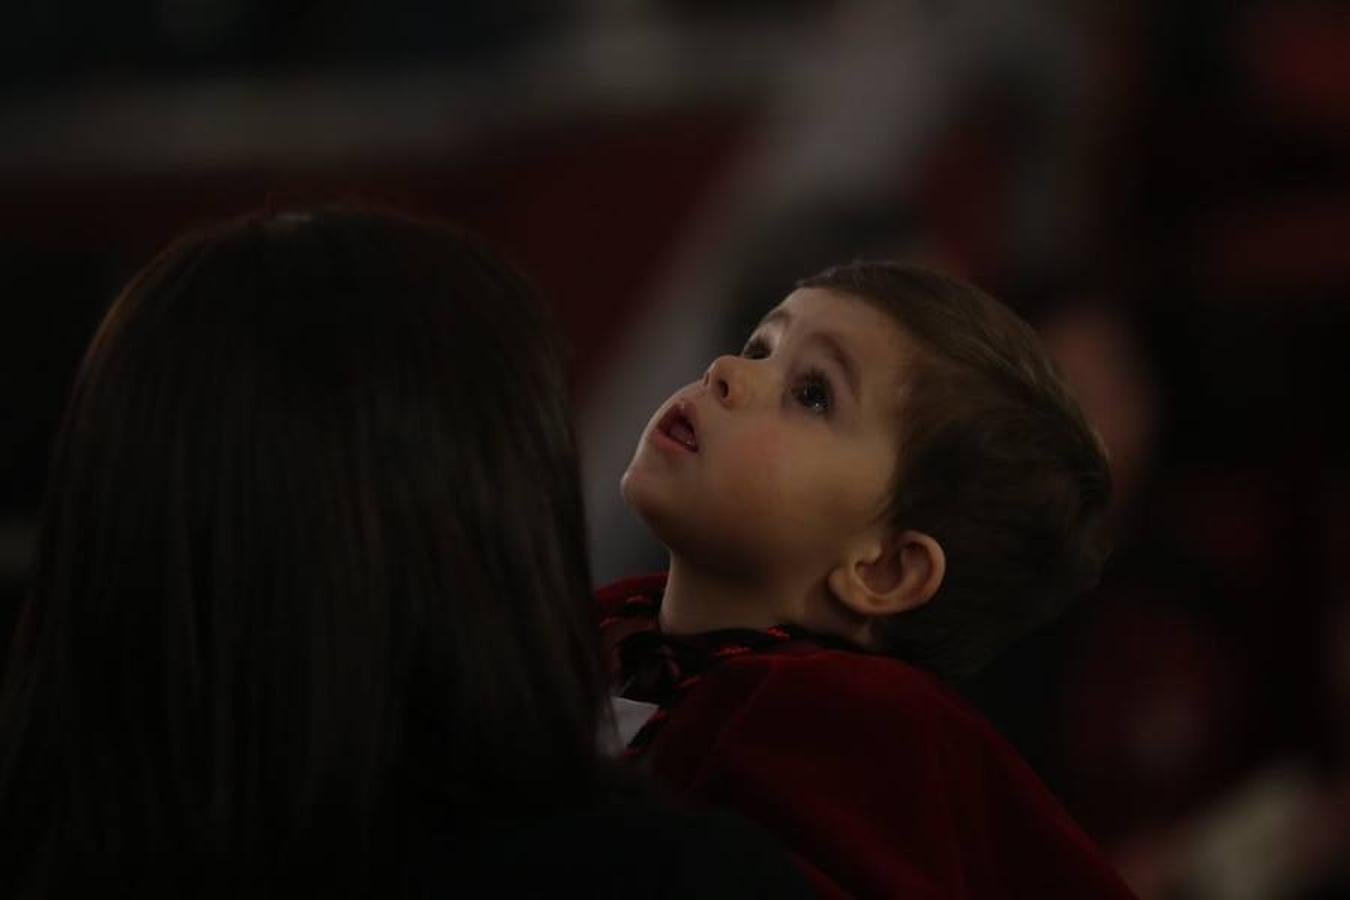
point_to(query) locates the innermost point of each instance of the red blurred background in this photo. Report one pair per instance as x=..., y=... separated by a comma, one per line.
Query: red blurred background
x=1161, y=188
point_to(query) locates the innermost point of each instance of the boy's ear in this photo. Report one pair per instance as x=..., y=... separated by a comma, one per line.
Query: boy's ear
x=902, y=572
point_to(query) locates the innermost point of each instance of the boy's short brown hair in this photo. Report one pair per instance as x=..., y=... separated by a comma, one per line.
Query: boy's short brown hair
x=997, y=463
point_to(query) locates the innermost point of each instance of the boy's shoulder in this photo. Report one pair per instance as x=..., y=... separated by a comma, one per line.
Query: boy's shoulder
x=851, y=695
x=881, y=779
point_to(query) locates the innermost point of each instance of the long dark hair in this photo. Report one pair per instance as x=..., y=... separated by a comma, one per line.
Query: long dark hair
x=311, y=570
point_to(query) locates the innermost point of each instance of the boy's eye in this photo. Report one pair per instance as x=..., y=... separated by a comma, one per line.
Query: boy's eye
x=755, y=348
x=813, y=393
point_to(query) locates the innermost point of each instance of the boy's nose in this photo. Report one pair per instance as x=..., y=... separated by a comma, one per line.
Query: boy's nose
x=726, y=380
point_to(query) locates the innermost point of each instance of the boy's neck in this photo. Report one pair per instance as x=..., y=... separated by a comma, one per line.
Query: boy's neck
x=697, y=602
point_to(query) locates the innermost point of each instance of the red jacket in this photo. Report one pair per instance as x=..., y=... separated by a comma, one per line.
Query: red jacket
x=876, y=777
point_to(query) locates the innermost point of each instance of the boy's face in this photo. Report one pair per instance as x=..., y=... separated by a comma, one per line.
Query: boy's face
x=773, y=462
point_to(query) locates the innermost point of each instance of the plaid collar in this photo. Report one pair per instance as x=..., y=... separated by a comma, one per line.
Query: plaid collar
x=658, y=668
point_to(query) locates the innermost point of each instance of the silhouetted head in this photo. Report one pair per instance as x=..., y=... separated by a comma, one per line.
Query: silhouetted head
x=313, y=554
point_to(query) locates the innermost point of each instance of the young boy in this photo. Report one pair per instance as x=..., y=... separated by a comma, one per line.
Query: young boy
x=886, y=487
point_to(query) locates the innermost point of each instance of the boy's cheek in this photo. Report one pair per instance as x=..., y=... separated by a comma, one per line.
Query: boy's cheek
x=751, y=472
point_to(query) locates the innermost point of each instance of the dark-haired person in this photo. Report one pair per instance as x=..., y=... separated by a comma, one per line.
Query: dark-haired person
x=310, y=613
x=886, y=487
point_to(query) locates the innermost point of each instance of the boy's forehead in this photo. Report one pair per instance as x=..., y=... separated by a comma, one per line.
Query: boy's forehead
x=845, y=315
x=813, y=305
x=802, y=303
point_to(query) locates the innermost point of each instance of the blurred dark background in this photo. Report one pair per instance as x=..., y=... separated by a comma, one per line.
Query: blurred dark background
x=1161, y=188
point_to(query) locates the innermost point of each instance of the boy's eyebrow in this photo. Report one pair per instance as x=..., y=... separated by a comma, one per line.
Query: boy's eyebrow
x=776, y=316
x=833, y=346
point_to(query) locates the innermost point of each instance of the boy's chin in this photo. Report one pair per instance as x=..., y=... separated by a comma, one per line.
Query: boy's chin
x=657, y=516
x=695, y=533
x=633, y=491
x=656, y=511
x=647, y=494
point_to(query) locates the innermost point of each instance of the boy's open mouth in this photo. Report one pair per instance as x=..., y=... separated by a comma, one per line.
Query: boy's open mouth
x=678, y=425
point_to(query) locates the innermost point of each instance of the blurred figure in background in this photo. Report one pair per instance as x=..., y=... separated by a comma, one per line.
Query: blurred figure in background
x=1160, y=705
